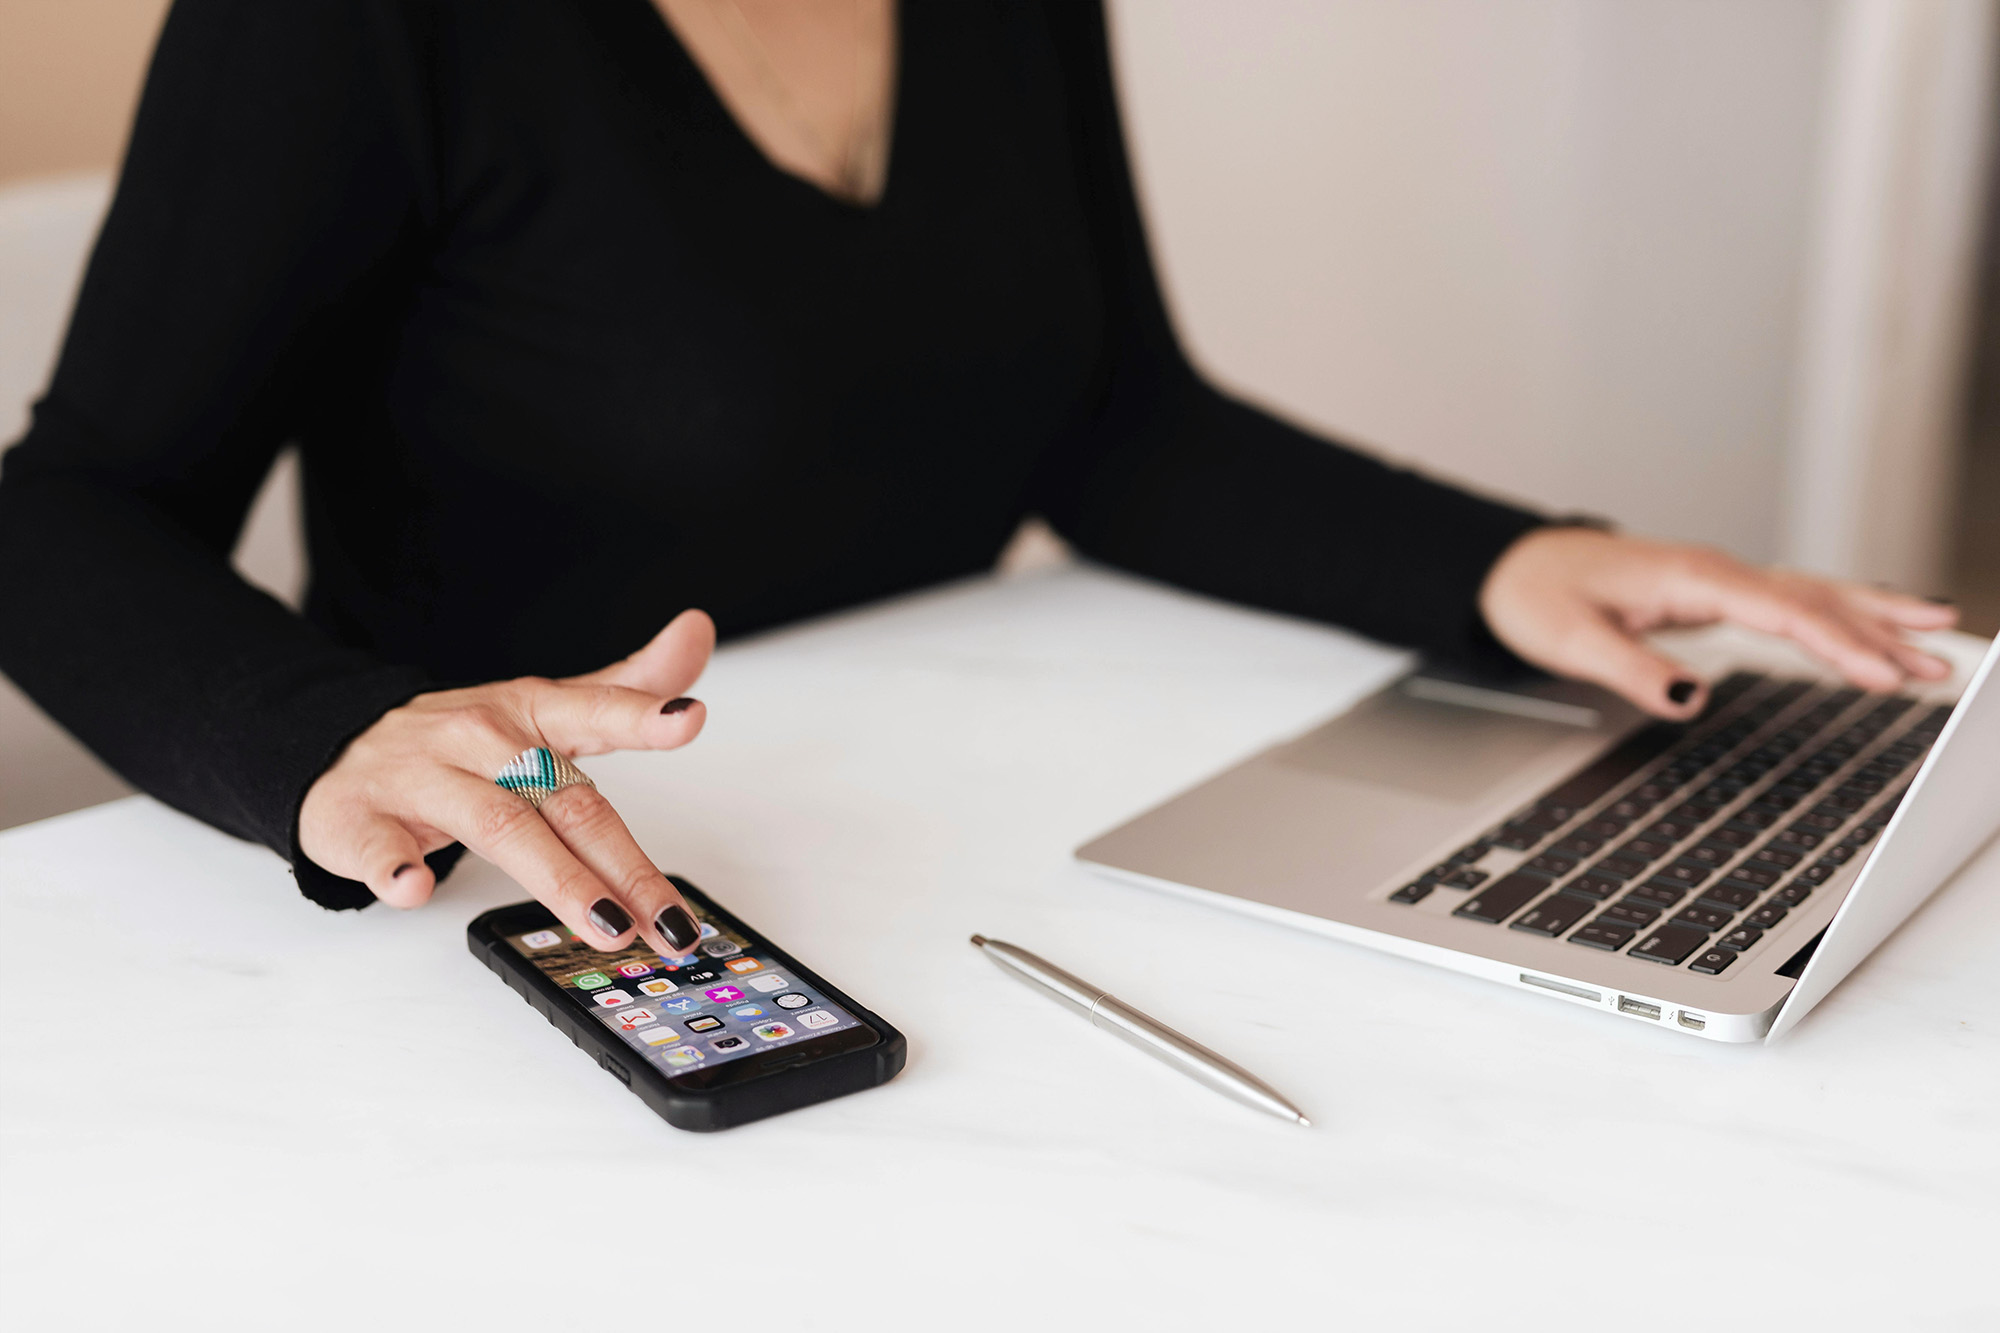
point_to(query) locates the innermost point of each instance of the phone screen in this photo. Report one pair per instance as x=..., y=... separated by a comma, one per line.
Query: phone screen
x=729, y=1000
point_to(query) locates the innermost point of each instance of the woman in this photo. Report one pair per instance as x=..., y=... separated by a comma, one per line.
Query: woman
x=583, y=312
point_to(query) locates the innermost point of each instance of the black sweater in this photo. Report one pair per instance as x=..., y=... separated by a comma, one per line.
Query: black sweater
x=564, y=355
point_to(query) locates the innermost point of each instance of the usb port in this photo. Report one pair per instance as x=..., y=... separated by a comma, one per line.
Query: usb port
x=1692, y=1022
x=1628, y=1005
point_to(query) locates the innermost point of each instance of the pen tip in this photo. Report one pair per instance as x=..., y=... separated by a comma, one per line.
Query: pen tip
x=1307, y=1123
x=979, y=940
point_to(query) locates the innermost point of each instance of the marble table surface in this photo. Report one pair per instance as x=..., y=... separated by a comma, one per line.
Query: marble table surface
x=222, y=1104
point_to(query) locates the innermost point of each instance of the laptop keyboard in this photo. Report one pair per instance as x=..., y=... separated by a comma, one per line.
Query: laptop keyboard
x=1688, y=841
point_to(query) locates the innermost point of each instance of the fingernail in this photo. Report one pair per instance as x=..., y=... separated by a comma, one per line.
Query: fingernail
x=609, y=917
x=677, y=928
x=677, y=705
x=407, y=865
x=1941, y=601
x=1681, y=691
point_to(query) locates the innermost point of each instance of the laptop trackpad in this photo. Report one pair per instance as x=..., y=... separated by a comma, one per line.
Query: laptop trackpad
x=1444, y=751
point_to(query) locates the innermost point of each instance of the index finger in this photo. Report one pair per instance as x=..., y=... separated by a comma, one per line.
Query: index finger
x=585, y=719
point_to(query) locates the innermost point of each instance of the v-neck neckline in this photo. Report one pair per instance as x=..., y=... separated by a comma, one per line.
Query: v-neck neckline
x=899, y=87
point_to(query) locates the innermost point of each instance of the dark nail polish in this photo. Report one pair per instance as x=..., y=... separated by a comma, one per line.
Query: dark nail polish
x=1681, y=691
x=1941, y=601
x=677, y=705
x=407, y=865
x=609, y=917
x=677, y=927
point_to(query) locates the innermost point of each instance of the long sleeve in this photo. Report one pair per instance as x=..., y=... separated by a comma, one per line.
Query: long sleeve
x=1171, y=479
x=269, y=194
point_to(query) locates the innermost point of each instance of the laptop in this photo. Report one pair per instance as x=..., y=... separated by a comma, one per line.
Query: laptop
x=1717, y=877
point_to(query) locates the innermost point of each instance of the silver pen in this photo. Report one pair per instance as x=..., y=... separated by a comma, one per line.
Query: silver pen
x=1149, y=1035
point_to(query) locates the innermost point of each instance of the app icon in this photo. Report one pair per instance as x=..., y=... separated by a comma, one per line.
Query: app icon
x=772, y=1031
x=589, y=980
x=817, y=1018
x=541, y=939
x=611, y=999
x=724, y=994
x=681, y=1004
x=682, y=1056
x=743, y=965
x=661, y=1035
x=721, y=948
x=708, y=932
x=637, y=1016
x=657, y=986
x=746, y=1012
x=706, y=1023
x=731, y=1043
x=769, y=982
x=634, y=970
x=701, y=976
x=792, y=1000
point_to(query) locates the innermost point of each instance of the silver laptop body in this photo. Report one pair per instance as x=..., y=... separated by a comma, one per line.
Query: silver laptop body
x=1370, y=828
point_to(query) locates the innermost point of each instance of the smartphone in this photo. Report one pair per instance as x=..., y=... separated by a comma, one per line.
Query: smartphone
x=734, y=1032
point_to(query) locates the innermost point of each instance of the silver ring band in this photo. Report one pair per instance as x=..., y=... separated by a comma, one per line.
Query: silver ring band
x=539, y=773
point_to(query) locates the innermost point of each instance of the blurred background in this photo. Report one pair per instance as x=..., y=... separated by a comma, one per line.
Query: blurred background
x=1722, y=270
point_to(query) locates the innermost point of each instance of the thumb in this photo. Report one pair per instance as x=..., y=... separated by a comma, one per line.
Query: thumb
x=1595, y=649
x=669, y=665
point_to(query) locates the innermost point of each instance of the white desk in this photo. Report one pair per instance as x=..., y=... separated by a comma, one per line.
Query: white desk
x=299, y=1119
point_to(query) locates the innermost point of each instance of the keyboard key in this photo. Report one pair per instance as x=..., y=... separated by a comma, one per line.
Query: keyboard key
x=1645, y=849
x=1682, y=875
x=1604, y=827
x=1501, y=899
x=1553, y=864
x=1517, y=839
x=1821, y=822
x=1780, y=857
x=1595, y=887
x=1707, y=855
x=1712, y=961
x=1860, y=837
x=1669, y=944
x=1578, y=845
x=1411, y=893
x=1766, y=916
x=1819, y=872
x=1729, y=894
x=1660, y=895
x=1707, y=919
x=1792, y=894
x=1840, y=854
x=1602, y=936
x=1757, y=877
x=1467, y=878
x=1621, y=867
x=1629, y=913
x=1741, y=938
x=1669, y=831
x=1554, y=915
x=1694, y=812
x=1752, y=821
x=1798, y=838
x=1730, y=839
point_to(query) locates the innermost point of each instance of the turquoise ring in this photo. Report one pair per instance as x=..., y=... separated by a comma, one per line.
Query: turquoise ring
x=539, y=773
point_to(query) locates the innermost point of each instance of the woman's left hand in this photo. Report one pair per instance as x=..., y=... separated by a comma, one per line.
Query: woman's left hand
x=1575, y=601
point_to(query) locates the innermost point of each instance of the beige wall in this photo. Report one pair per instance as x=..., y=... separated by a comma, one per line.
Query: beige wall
x=69, y=76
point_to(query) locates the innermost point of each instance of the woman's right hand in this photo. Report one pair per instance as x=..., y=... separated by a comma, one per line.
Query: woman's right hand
x=422, y=777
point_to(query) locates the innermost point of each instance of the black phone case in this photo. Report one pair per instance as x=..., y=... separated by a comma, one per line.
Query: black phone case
x=695, y=1108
